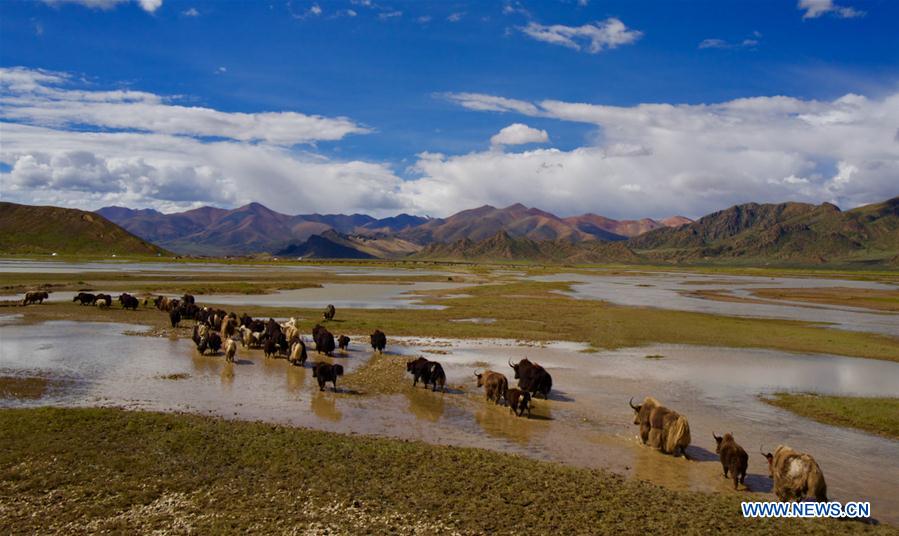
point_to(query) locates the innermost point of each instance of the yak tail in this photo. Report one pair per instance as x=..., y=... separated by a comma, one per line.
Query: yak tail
x=816, y=484
x=678, y=435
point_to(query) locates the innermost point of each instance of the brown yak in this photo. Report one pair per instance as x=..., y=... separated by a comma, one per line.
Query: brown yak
x=495, y=385
x=796, y=475
x=733, y=458
x=661, y=428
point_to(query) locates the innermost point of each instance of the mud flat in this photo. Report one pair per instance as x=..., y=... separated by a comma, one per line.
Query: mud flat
x=585, y=423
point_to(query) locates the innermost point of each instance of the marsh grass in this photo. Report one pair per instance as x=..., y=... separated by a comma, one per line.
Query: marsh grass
x=66, y=471
x=876, y=415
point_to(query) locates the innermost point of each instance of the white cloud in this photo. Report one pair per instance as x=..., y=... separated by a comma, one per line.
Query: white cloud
x=89, y=148
x=749, y=42
x=455, y=17
x=689, y=159
x=424, y=19
x=44, y=98
x=192, y=12
x=387, y=15
x=518, y=134
x=607, y=34
x=816, y=8
x=315, y=10
x=149, y=6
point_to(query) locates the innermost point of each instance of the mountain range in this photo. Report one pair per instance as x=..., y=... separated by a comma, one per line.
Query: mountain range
x=254, y=228
x=797, y=234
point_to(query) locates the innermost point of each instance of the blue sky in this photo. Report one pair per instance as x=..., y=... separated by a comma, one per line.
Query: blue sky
x=415, y=81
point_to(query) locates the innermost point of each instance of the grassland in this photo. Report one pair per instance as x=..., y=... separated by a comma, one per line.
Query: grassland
x=878, y=300
x=876, y=415
x=65, y=471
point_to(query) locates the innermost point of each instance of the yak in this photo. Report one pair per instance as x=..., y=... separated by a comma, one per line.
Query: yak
x=419, y=369
x=733, y=458
x=269, y=347
x=661, y=428
x=378, y=341
x=429, y=372
x=343, y=343
x=103, y=300
x=519, y=402
x=324, y=340
x=325, y=372
x=298, y=353
x=532, y=378
x=495, y=385
x=230, y=349
x=128, y=301
x=85, y=298
x=796, y=475
x=175, y=317
x=329, y=313
x=188, y=299
x=35, y=296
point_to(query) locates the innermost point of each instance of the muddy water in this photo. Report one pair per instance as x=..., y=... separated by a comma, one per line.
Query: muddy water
x=670, y=291
x=349, y=295
x=586, y=422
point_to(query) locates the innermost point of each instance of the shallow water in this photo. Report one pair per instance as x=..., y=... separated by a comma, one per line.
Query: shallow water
x=349, y=295
x=63, y=267
x=668, y=291
x=587, y=421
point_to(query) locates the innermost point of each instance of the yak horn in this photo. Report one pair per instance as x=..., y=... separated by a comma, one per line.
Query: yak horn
x=476, y=373
x=716, y=437
x=510, y=363
x=631, y=403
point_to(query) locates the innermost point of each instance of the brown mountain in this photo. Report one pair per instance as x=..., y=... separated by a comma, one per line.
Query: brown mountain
x=598, y=225
x=40, y=229
x=798, y=233
x=503, y=247
x=483, y=222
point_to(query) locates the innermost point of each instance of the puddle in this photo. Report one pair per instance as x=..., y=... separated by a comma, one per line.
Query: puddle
x=670, y=291
x=585, y=423
x=474, y=320
x=341, y=295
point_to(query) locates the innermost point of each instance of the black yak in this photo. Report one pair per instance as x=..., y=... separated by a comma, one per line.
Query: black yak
x=128, y=301
x=343, y=343
x=733, y=458
x=532, y=378
x=329, y=313
x=85, y=298
x=35, y=296
x=175, y=317
x=378, y=340
x=324, y=373
x=324, y=340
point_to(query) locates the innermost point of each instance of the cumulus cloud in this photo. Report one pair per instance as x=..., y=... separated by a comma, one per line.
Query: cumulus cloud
x=89, y=148
x=149, y=6
x=594, y=38
x=658, y=159
x=816, y=8
x=518, y=134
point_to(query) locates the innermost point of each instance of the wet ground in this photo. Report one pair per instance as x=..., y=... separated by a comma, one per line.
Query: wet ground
x=673, y=291
x=587, y=421
x=341, y=295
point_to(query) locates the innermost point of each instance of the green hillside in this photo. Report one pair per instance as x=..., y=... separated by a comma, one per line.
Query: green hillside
x=783, y=233
x=26, y=229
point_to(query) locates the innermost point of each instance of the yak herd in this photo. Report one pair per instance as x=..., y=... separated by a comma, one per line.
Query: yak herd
x=795, y=475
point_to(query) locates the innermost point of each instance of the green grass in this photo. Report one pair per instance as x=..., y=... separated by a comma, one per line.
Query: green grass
x=99, y=470
x=876, y=415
